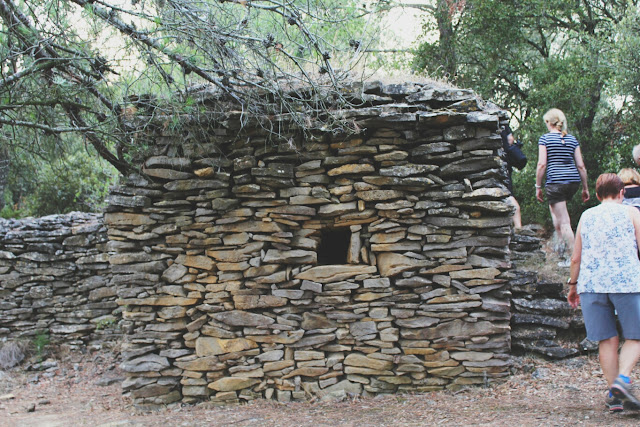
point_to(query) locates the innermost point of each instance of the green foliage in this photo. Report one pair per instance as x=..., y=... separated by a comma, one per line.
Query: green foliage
x=11, y=209
x=77, y=183
x=106, y=323
x=76, y=74
x=40, y=343
x=530, y=56
x=73, y=180
x=627, y=55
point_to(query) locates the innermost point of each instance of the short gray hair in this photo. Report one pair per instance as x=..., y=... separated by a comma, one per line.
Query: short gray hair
x=636, y=153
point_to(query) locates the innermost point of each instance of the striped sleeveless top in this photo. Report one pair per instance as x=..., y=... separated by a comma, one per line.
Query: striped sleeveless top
x=561, y=166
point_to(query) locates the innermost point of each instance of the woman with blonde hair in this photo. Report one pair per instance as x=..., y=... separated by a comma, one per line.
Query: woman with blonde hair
x=560, y=157
x=631, y=180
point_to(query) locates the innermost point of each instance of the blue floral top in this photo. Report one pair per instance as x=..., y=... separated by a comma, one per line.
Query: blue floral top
x=609, y=251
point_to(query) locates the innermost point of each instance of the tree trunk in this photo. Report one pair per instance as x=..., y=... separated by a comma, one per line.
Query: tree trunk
x=448, y=58
x=4, y=174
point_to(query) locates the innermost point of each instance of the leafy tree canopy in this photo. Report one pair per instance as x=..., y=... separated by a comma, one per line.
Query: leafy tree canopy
x=71, y=69
x=529, y=56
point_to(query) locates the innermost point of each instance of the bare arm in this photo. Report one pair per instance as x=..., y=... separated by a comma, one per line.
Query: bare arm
x=582, y=170
x=540, y=170
x=573, y=297
x=634, y=213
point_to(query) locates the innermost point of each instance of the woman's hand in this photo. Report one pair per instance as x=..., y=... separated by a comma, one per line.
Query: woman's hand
x=585, y=195
x=573, y=298
x=539, y=195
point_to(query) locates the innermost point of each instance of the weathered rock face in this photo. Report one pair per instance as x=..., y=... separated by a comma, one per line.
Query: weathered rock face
x=367, y=263
x=55, y=279
x=542, y=321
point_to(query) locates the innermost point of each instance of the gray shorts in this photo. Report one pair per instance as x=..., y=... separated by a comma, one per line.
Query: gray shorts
x=599, y=311
x=560, y=192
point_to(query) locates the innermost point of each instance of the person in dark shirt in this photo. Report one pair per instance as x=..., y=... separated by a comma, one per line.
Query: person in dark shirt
x=508, y=142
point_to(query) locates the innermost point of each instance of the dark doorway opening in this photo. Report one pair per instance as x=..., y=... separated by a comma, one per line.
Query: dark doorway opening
x=334, y=244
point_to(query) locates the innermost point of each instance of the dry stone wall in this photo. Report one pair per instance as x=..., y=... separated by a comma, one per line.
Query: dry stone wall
x=542, y=321
x=55, y=280
x=238, y=267
x=320, y=265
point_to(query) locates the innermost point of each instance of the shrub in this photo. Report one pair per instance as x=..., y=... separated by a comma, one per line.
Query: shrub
x=11, y=354
x=40, y=343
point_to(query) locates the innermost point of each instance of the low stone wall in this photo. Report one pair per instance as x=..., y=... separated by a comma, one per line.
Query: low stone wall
x=542, y=320
x=55, y=280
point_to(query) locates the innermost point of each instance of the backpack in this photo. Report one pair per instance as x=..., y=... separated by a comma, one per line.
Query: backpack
x=513, y=153
x=515, y=156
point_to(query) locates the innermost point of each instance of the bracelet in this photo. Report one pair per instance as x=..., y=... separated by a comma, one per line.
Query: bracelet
x=570, y=283
x=538, y=186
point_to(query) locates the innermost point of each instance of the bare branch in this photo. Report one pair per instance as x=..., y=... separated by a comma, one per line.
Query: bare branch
x=45, y=128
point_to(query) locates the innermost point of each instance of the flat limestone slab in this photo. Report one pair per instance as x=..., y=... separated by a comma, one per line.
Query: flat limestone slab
x=335, y=273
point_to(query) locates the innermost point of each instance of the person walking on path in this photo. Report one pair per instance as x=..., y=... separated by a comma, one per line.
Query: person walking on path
x=513, y=157
x=560, y=157
x=605, y=280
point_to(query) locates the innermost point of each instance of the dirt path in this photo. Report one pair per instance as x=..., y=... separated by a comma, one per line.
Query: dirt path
x=540, y=393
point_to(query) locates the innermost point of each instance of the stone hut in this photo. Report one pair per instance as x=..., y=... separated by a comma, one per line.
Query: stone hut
x=318, y=264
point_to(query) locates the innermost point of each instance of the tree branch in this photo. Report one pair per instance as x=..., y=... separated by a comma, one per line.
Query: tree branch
x=20, y=26
x=39, y=126
x=38, y=65
x=139, y=36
